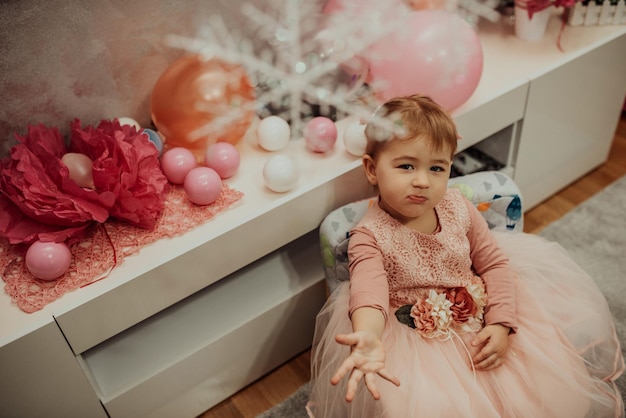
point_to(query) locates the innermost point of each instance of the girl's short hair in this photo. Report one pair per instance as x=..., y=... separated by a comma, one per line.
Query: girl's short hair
x=410, y=117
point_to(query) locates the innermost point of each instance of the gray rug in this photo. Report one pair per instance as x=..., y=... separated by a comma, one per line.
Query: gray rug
x=594, y=233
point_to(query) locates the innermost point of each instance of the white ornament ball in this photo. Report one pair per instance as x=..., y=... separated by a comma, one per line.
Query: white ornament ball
x=129, y=121
x=354, y=139
x=273, y=133
x=280, y=173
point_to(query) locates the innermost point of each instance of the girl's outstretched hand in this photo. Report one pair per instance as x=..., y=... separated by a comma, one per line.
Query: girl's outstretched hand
x=366, y=360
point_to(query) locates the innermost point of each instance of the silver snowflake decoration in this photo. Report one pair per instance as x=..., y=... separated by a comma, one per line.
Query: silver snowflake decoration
x=301, y=61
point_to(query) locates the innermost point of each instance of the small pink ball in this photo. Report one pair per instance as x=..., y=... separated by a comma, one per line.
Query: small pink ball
x=222, y=157
x=48, y=260
x=320, y=134
x=203, y=185
x=176, y=163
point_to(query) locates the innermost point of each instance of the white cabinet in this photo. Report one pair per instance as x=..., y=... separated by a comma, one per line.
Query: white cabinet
x=190, y=320
x=40, y=377
x=571, y=116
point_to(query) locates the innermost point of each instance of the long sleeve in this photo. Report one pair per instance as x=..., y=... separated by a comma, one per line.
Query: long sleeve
x=368, y=278
x=492, y=265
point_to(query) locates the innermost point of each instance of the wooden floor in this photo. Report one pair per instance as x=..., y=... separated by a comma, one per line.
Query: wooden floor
x=282, y=382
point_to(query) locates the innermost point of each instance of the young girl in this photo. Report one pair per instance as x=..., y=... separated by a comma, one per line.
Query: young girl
x=443, y=317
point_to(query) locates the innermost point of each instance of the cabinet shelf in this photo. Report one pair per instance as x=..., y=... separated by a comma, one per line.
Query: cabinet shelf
x=169, y=340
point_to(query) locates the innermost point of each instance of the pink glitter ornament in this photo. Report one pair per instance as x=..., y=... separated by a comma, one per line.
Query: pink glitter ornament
x=320, y=134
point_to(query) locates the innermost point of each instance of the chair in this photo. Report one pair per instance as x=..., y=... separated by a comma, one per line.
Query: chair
x=495, y=194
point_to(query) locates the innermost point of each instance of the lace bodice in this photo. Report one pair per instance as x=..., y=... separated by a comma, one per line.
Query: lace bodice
x=416, y=262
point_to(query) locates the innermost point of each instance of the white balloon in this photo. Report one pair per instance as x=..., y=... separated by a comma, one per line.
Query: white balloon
x=273, y=133
x=280, y=173
x=354, y=139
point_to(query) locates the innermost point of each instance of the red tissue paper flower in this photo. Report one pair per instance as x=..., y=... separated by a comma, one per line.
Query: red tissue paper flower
x=42, y=201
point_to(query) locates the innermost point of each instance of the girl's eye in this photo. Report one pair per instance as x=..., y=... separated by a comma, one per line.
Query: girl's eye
x=437, y=169
x=406, y=166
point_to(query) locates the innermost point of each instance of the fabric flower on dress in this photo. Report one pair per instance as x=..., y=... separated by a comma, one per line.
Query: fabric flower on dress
x=448, y=312
x=42, y=202
x=423, y=319
x=440, y=306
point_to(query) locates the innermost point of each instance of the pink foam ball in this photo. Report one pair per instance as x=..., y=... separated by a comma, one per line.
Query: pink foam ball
x=176, y=163
x=48, y=260
x=222, y=157
x=203, y=185
x=320, y=134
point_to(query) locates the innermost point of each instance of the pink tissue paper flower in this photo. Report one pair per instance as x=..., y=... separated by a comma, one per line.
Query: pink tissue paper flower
x=42, y=202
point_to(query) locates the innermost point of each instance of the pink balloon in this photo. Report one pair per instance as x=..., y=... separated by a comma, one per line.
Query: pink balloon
x=438, y=54
x=222, y=157
x=203, y=185
x=80, y=168
x=320, y=134
x=176, y=163
x=48, y=260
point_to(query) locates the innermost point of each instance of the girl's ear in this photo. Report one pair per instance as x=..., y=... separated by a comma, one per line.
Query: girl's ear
x=370, y=169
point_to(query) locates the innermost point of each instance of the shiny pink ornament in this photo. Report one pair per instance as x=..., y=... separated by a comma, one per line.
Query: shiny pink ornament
x=320, y=134
x=80, y=168
x=437, y=54
x=176, y=163
x=203, y=185
x=48, y=260
x=222, y=157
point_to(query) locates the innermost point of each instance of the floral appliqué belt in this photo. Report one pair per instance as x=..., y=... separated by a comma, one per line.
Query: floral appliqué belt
x=447, y=312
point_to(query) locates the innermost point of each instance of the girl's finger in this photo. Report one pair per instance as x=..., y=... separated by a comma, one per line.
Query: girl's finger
x=344, y=369
x=388, y=376
x=346, y=339
x=484, y=364
x=353, y=383
x=370, y=382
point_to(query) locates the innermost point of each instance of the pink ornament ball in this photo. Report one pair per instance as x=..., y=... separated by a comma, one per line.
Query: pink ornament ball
x=222, y=157
x=320, y=134
x=48, y=260
x=80, y=169
x=176, y=163
x=203, y=185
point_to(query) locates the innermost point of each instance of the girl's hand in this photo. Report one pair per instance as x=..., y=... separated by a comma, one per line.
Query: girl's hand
x=494, y=340
x=366, y=360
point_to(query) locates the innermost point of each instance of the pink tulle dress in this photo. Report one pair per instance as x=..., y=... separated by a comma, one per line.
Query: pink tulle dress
x=437, y=291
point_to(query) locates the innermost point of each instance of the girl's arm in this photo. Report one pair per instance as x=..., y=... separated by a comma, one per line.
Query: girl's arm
x=368, y=278
x=369, y=300
x=492, y=265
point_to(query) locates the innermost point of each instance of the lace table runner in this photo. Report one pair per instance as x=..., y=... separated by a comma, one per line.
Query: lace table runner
x=104, y=247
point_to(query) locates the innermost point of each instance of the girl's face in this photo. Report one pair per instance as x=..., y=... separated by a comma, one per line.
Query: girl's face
x=411, y=177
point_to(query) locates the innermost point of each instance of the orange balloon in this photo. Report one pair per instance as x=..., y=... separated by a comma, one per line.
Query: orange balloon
x=427, y=4
x=196, y=103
